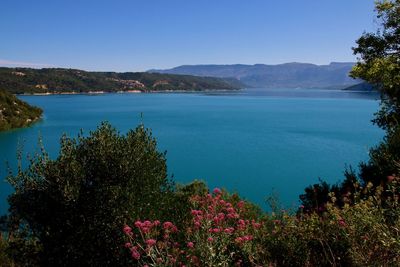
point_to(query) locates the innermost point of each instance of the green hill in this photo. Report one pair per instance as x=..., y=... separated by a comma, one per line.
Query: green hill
x=55, y=80
x=15, y=113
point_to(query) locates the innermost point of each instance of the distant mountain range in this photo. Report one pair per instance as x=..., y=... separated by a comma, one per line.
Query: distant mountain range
x=288, y=75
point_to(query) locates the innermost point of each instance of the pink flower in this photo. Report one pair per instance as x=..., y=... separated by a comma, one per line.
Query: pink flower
x=217, y=191
x=127, y=230
x=342, y=223
x=256, y=225
x=128, y=245
x=229, y=230
x=156, y=223
x=196, y=212
x=151, y=242
x=248, y=237
x=138, y=224
x=170, y=226
x=230, y=210
x=190, y=244
x=210, y=239
x=135, y=254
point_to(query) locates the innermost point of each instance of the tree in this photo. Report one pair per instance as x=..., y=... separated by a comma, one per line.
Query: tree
x=77, y=204
x=379, y=65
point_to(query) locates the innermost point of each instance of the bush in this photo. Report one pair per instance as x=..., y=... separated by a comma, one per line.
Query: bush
x=75, y=205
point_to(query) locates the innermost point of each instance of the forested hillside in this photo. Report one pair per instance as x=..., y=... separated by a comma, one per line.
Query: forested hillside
x=15, y=113
x=55, y=80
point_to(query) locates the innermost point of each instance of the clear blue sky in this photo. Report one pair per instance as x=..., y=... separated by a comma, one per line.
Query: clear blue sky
x=130, y=35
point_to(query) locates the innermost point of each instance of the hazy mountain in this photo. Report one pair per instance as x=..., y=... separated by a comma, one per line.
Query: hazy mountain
x=364, y=86
x=288, y=75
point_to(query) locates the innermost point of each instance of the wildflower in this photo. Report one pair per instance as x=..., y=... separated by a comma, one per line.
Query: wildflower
x=128, y=245
x=210, y=239
x=135, y=254
x=248, y=238
x=230, y=210
x=190, y=244
x=342, y=223
x=151, y=242
x=127, y=230
x=229, y=230
x=217, y=191
x=170, y=227
x=167, y=225
x=195, y=212
x=256, y=225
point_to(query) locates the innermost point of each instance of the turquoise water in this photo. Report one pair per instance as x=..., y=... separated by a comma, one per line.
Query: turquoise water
x=253, y=141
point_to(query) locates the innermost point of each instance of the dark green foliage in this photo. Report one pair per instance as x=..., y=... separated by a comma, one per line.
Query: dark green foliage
x=77, y=204
x=55, y=80
x=379, y=66
x=15, y=113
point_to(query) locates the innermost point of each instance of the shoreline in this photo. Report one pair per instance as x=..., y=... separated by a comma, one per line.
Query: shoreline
x=126, y=92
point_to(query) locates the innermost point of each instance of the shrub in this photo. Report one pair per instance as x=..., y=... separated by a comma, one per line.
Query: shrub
x=216, y=234
x=74, y=205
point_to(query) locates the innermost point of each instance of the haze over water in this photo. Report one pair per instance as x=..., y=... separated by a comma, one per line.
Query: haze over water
x=251, y=141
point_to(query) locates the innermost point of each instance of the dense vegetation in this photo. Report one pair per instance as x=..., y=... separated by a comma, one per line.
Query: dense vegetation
x=379, y=65
x=55, y=80
x=106, y=200
x=15, y=113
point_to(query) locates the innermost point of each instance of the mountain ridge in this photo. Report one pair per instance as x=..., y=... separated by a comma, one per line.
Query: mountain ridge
x=285, y=75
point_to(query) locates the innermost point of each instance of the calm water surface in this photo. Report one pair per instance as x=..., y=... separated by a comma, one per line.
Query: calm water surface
x=252, y=141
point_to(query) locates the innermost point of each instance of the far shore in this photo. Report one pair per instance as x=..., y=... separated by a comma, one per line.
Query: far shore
x=126, y=92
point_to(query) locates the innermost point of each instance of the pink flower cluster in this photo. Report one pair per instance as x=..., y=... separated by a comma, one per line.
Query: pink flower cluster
x=146, y=230
x=215, y=220
x=219, y=216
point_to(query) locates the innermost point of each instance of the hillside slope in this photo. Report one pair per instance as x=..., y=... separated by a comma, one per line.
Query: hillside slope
x=55, y=80
x=15, y=113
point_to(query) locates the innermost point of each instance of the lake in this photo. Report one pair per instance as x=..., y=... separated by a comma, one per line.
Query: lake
x=253, y=141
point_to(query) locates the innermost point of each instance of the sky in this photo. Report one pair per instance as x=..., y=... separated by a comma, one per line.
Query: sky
x=137, y=35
